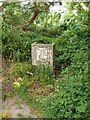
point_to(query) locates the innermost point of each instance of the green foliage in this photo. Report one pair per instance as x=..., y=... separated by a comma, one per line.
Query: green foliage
x=17, y=41
x=21, y=72
x=27, y=71
x=72, y=91
x=43, y=74
x=22, y=91
x=71, y=96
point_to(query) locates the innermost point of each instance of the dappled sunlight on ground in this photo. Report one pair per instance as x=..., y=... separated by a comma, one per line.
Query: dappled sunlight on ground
x=16, y=108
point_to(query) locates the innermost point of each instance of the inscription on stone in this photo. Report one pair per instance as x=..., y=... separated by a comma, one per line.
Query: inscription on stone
x=42, y=54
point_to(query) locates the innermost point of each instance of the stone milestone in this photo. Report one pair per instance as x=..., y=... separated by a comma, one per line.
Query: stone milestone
x=43, y=54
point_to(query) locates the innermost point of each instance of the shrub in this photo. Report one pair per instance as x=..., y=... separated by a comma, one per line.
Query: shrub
x=71, y=97
x=72, y=90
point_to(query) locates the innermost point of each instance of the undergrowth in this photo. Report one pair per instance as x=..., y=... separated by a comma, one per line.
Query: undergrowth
x=68, y=94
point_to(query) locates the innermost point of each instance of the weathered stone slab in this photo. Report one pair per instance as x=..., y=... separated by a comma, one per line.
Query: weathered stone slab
x=43, y=54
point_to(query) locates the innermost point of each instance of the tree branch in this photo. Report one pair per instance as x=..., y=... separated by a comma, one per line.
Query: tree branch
x=32, y=19
x=79, y=5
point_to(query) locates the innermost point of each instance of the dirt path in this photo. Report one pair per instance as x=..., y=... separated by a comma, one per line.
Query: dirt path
x=16, y=108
